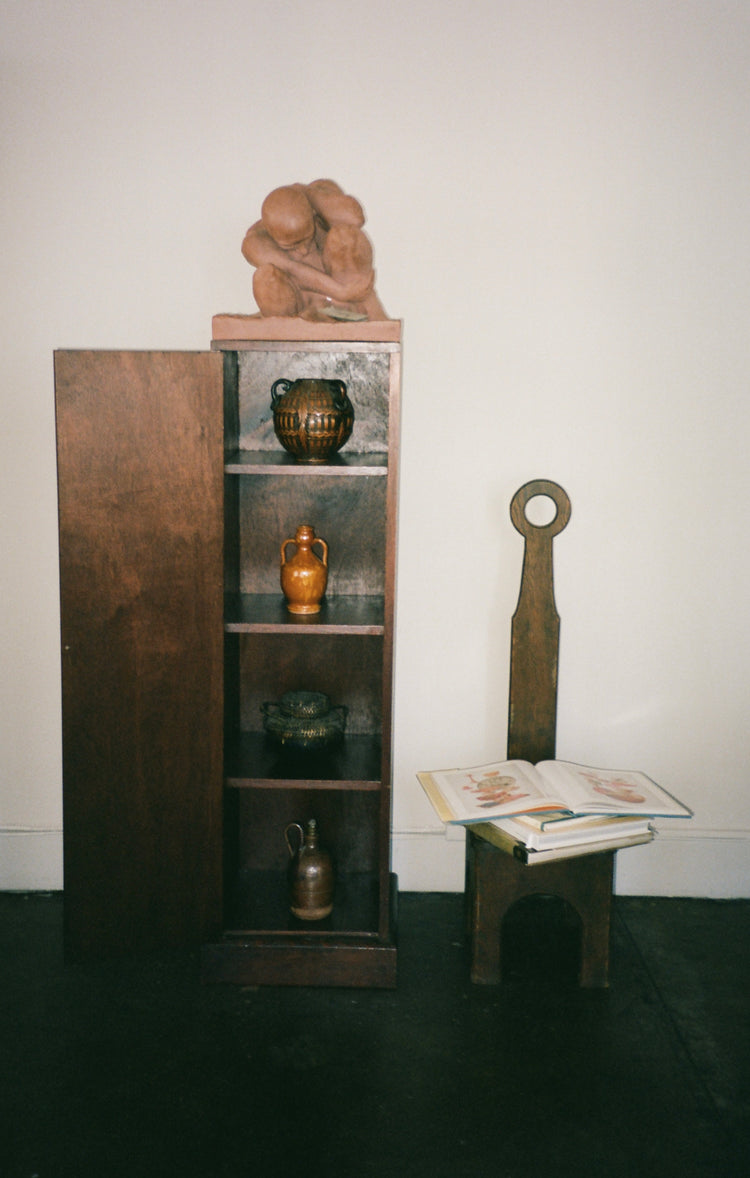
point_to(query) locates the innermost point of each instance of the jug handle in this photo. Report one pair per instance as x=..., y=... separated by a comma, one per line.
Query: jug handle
x=339, y=395
x=317, y=540
x=276, y=384
x=294, y=826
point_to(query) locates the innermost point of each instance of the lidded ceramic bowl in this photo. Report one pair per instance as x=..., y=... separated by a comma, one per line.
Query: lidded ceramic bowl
x=312, y=419
x=304, y=721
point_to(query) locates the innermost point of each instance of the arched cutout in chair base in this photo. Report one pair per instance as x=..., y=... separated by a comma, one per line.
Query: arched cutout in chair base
x=540, y=941
x=495, y=882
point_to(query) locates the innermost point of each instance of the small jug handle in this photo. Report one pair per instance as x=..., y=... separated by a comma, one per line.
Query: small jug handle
x=283, y=384
x=339, y=394
x=294, y=826
x=324, y=546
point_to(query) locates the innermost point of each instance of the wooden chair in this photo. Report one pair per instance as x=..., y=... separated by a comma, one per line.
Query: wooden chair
x=495, y=881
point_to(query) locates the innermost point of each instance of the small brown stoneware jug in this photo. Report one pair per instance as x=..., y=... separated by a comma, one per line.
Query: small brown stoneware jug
x=310, y=873
x=304, y=575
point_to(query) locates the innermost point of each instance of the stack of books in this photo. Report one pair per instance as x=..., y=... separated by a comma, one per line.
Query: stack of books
x=554, y=810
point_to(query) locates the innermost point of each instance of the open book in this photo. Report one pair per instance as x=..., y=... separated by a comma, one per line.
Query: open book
x=505, y=788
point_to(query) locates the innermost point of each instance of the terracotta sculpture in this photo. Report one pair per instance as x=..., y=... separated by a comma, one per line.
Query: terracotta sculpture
x=311, y=256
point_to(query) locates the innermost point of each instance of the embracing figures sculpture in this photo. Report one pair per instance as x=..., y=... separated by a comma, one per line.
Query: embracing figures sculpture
x=312, y=258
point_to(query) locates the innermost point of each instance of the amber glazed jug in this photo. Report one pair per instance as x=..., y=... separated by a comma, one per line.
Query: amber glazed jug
x=312, y=418
x=304, y=575
x=310, y=873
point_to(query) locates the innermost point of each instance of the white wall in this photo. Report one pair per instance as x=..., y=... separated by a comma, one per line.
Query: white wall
x=558, y=198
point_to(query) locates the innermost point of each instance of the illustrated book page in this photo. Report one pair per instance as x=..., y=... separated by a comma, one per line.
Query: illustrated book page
x=587, y=790
x=505, y=788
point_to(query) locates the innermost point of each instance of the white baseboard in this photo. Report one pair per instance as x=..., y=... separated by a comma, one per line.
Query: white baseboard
x=711, y=864
x=31, y=860
x=429, y=860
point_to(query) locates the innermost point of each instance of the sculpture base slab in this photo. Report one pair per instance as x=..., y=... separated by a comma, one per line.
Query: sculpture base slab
x=257, y=327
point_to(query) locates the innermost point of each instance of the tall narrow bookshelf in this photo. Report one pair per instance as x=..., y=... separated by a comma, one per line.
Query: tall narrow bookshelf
x=344, y=651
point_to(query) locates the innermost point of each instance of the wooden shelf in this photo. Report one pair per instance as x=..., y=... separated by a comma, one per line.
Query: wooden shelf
x=345, y=651
x=252, y=762
x=278, y=462
x=290, y=954
x=266, y=613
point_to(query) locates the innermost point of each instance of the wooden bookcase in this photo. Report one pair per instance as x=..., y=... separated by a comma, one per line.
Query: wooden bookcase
x=175, y=497
x=346, y=651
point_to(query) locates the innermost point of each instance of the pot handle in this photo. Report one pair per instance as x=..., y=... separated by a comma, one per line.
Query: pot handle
x=276, y=396
x=294, y=826
x=339, y=394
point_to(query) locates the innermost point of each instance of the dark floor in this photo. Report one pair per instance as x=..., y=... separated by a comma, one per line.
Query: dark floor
x=137, y=1069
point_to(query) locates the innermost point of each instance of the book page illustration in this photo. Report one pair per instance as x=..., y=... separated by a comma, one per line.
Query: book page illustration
x=609, y=790
x=617, y=788
x=472, y=793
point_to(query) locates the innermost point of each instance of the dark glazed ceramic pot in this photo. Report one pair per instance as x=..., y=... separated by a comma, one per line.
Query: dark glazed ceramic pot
x=304, y=721
x=313, y=419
